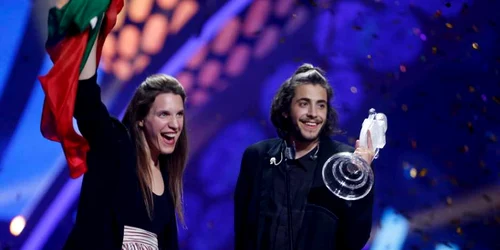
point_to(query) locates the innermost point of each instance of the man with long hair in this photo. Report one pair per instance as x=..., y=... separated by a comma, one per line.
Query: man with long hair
x=281, y=201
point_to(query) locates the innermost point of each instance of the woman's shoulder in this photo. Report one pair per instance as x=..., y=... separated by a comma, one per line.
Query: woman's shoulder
x=120, y=130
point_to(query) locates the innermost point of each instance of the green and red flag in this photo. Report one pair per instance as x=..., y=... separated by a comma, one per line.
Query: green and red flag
x=73, y=30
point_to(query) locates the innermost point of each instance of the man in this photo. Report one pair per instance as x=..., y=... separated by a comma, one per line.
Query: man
x=281, y=201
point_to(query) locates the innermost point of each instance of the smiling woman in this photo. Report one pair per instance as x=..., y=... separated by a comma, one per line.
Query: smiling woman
x=134, y=167
x=150, y=151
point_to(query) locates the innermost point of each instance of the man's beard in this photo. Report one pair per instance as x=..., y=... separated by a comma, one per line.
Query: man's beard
x=298, y=136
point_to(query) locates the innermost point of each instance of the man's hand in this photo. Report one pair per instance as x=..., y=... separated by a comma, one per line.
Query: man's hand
x=366, y=153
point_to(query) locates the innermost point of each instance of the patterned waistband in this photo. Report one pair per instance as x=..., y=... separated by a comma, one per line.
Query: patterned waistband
x=139, y=239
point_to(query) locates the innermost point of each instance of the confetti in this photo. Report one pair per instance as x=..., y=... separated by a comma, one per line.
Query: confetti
x=402, y=68
x=475, y=45
x=404, y=107
x=423, y=172
x=449, y=25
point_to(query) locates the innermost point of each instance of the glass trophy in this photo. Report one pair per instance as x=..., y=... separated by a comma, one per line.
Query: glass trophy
x=346, y=174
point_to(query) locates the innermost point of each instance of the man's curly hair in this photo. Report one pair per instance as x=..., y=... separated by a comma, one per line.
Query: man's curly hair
x=305, y=74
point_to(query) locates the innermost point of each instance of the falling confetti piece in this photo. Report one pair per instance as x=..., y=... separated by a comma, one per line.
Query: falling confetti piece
x=459, y=230
x=472, y=89
x=438, y=13
x=423, y=172
x=449, y=25
x=402, y=68
x=369, y=56
x=404, y=107
x=414, y=144
x=475, y=46
x=434, y=50
x=474, y=27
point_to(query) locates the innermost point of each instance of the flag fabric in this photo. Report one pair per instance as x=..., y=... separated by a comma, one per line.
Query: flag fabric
x=72, y=30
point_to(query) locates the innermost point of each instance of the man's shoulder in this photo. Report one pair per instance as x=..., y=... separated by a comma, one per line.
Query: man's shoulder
x=264, y=145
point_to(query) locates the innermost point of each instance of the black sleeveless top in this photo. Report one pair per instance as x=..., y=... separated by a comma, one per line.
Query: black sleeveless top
x=137, y=214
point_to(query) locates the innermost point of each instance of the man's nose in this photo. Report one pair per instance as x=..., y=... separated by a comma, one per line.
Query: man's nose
x=312, y=111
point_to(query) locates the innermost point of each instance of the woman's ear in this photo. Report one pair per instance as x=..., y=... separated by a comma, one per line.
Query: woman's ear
x=140, y=123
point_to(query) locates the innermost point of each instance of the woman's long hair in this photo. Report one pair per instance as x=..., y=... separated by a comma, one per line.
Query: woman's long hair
x=175, y=163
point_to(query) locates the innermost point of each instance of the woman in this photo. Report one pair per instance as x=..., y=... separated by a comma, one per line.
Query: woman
x=132, y=189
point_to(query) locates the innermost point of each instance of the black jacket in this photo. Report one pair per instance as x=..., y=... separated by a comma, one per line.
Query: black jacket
x=111, y=183
x=329, y=223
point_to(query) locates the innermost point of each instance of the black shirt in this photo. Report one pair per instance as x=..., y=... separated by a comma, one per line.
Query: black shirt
x=291, y=184
x=137, y=214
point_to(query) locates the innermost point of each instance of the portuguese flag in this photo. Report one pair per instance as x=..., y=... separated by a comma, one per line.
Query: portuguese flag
x=72, y=32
